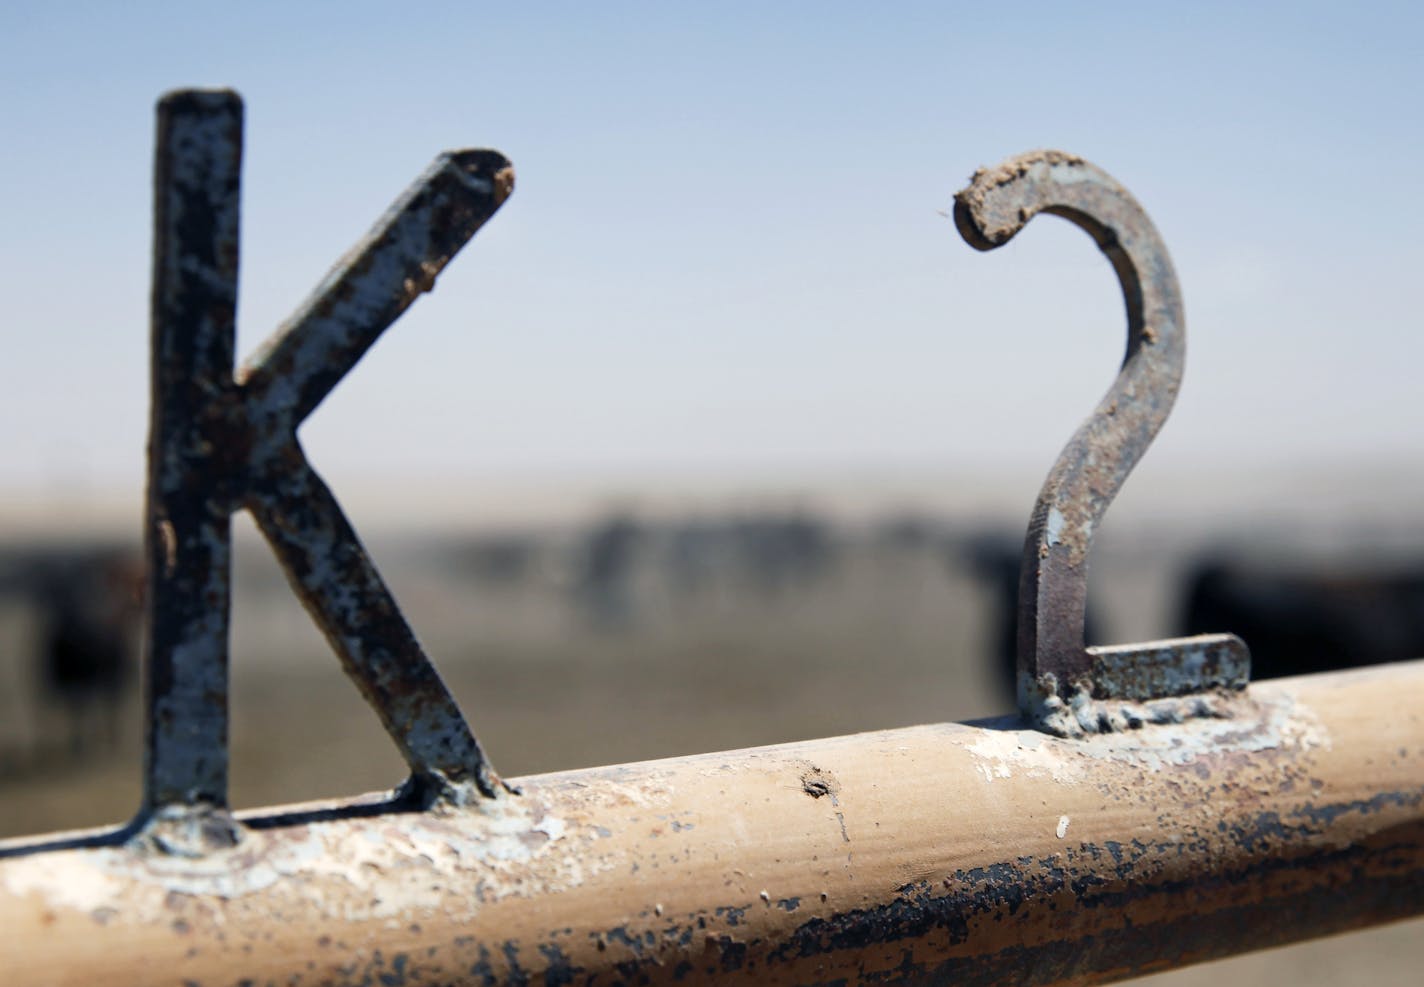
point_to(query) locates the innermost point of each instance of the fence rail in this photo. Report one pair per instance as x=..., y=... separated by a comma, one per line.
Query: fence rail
x=965, y=854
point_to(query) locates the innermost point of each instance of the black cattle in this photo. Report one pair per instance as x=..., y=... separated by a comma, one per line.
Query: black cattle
x=502, y=559
x=603, y=582
x=87, y=609
x=1297, y=621
x=780, y=553
x=756, y=555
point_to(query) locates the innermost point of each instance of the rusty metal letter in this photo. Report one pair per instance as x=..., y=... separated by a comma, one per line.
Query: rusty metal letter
x=220, y=442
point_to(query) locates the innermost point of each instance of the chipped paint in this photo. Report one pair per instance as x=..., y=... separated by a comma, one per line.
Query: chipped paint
x=1053, y=528
x=84, y=885
x=415, y=857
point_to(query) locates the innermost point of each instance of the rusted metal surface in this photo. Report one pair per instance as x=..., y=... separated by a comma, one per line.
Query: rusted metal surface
x=221, y=441
x=1064, y=685
x=941, y=854
x=198, y=161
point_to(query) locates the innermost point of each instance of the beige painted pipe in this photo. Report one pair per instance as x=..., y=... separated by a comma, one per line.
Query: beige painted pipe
x=948, y=853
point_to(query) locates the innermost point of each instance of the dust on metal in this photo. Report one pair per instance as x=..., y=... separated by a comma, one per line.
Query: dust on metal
x=220, y=442
x=1065, y=686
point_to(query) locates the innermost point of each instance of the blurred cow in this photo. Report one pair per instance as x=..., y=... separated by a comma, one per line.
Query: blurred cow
x=1297, y=621
x=604, y=573
x=86, y=603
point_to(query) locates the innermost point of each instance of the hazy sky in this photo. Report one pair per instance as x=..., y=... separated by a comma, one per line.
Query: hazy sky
x=726, y=250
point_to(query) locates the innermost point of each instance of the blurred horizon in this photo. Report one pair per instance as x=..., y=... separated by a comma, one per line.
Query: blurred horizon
x=1315, y=499
x=726, y=252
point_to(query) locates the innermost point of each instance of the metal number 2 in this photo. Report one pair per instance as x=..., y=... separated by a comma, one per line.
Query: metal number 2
x=1064, y=685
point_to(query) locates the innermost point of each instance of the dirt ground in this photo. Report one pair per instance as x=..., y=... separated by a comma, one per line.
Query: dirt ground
x=891, y=635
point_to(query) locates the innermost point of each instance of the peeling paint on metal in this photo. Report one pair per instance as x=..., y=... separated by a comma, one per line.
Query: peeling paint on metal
x=1053, y=528
x=413, y=856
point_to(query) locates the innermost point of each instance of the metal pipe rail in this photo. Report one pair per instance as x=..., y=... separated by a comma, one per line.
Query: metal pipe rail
x=964, y=854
